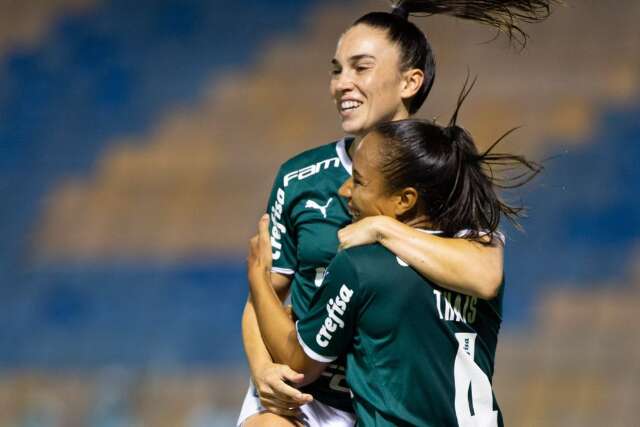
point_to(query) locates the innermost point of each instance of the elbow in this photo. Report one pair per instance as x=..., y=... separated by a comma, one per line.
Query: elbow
x=292, y=356
x=311, y=373
x=490, y=276
x=299, y=364
x=490, y=288
x=307, y=367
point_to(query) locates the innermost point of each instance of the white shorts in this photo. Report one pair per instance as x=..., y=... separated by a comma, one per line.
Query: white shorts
x=316, y=414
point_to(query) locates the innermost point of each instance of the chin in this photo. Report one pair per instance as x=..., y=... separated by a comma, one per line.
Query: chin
x=352, y=128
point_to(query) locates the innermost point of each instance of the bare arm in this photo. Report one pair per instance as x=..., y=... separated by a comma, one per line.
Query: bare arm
x=254, y=348
x=270, y=378
x=277, y=328
x=458, y=264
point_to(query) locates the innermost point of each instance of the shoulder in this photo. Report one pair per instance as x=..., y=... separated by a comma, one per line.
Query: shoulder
x=366, y=253
x=364, y=261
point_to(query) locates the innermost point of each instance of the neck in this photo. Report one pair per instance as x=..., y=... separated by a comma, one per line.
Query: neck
x=400, y=115
x=420, y=221
x=352, y=148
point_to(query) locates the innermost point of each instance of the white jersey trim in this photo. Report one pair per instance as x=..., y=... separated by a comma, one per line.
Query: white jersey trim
x=281, y=270
x=465, y=233
x=496, y=235
x=312, y=354
x=341, y=149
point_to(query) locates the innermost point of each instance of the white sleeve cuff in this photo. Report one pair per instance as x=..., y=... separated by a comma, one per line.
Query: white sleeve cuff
x=312, y=354
x=285, y=271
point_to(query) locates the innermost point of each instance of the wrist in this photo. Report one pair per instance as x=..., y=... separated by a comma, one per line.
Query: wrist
x=379, y=226
x=260, y=276
x=261, y=366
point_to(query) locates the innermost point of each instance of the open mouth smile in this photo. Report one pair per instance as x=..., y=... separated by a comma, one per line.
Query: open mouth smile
x=346, y=107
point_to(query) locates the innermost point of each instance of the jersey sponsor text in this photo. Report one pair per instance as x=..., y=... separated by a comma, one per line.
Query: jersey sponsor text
x=277, y=229
x=335, y=309
x=311, y=170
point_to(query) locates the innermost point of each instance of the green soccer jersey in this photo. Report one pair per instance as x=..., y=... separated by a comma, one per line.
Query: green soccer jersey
x=417, y=354
x=306, y=213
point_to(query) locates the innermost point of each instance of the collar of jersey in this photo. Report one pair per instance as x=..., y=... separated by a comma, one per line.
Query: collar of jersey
x=342, y=148
x=424, y=230
x=465, y=233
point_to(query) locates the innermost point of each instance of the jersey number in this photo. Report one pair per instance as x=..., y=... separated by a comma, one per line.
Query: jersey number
x=467, y=374
x=338, y=381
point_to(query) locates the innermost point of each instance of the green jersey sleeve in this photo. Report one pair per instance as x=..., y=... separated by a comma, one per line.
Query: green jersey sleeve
x=283, y=246
x=328, y=329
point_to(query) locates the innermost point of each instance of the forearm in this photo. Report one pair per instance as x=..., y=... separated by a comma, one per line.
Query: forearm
x=457, y=264
x=255, y=349
x=276, y=327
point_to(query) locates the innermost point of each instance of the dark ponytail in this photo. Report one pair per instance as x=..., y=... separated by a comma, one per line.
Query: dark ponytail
x=504, y=15
x=456, y=184
x=416, y=52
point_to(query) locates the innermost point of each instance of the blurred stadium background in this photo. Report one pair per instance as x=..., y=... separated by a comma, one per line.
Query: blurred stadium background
x=138, y=142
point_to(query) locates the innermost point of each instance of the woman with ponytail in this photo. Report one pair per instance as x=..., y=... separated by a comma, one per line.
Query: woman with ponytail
x=418, y=354
x=383, y=70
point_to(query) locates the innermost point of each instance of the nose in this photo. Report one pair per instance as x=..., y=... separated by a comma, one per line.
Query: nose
x=343, y=82
x=345, y=188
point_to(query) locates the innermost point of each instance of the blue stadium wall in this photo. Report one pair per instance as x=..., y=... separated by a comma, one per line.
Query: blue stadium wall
x=114, y=70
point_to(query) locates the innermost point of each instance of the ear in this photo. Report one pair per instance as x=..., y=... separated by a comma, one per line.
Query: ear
x=406, y=199
x=411, y=82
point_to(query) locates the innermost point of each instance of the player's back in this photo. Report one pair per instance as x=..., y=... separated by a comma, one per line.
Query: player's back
x=422, y=356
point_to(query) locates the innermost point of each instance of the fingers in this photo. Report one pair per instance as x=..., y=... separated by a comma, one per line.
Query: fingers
x=291, y=375
x=253, y=245
x=359, y=233
x=272, y=384
x=264, y=241
x=264, y=237
x=263, y=228
x=277, y=407
x=285, y=392
x=283, y=403
x=281, y=400
x=343, y=238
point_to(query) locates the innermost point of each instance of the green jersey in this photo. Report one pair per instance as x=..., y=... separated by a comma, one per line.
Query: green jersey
x=417, y=354
x=306, y=213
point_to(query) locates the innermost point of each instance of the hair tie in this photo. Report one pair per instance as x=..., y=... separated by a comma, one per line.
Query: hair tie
x=400, y=11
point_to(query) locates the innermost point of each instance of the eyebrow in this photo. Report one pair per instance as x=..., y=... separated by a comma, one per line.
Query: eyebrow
x=356, y=173
x=354, y=58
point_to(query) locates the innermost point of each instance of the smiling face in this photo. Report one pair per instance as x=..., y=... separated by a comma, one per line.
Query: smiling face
x=366, y=191
x=367, y=84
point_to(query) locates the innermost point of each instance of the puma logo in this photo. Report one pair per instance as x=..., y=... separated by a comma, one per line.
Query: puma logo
x=323, y=209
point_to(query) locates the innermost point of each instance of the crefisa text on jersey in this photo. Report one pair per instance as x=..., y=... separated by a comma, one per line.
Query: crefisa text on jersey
x=456, y=307
x=335, y=309
x=311, y=170
x=277, y=229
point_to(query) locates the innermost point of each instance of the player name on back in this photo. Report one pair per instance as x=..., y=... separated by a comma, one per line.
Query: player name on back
x=456, y=307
